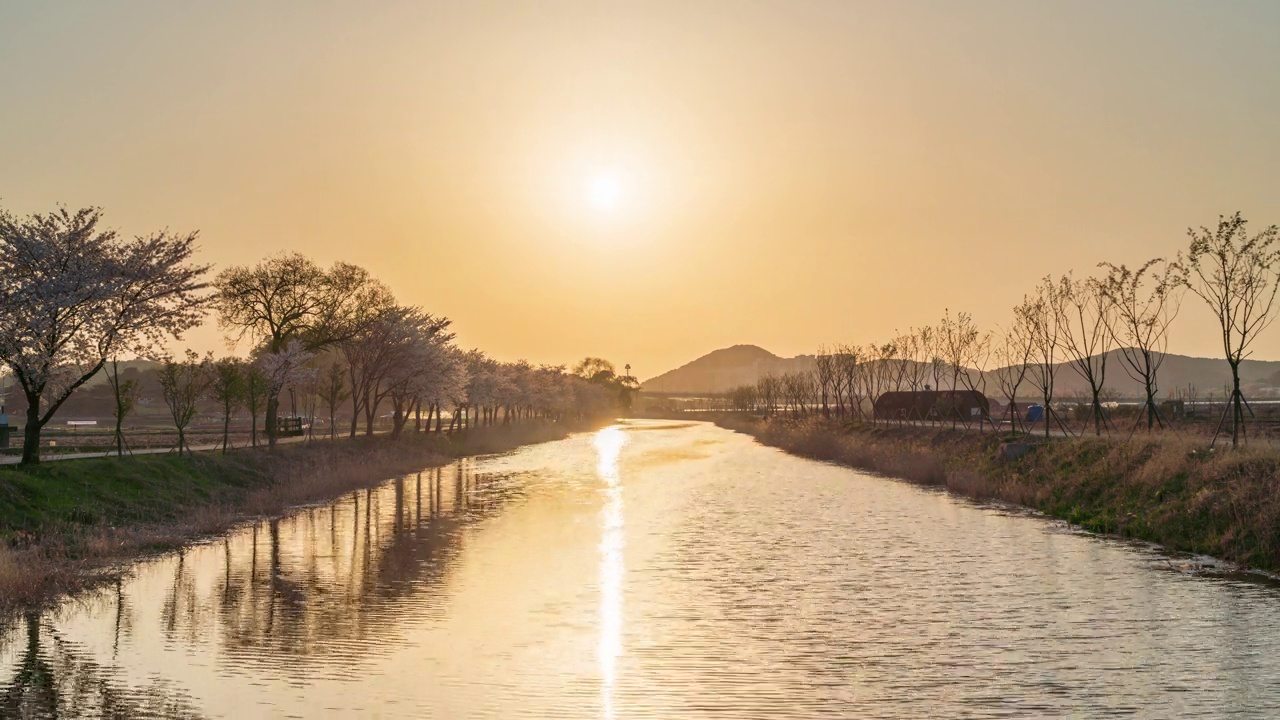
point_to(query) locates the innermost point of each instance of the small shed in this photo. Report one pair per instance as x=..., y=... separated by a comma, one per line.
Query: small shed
x=962, y=405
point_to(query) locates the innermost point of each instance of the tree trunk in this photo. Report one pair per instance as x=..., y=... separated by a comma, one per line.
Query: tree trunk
x=1097, y=412
x=1047, y=409
x=226, y=428
x=370, y=414
x=31, y=432
x=273, y=420
x=398, y=419
x=1151, y=406
x=1237, y=412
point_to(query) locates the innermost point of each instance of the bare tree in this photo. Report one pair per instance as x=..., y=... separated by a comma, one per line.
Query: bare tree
x=227, y=387
x=1013, y=352
x=875, y=371
x=1144, y=303
x=1041, y=315
x=743, y=398
x=798, y=389
x=1236, y=276
x=957, y=339
x=126, y=393
x=1086, y=336
x=288, y=298
x=184, y=383
x=896, y=365
x=255, y=398
x=973, y=368
x=73, y=296
x=916, y=357
x=824, y=365
x=846, y=378
x=769, y=389
x=334, y=392
x=853, y=368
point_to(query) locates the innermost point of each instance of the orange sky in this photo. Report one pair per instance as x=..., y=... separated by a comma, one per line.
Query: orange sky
x=787, y=174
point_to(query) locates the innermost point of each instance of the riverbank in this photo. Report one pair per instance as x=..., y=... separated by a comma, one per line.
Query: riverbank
x=1162, y=489
x=69, y=524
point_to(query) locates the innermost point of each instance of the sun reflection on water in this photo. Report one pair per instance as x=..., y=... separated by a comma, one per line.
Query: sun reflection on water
x=609, y=443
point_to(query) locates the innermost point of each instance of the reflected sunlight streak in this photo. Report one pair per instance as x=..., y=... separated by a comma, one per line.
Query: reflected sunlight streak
x=609, y=443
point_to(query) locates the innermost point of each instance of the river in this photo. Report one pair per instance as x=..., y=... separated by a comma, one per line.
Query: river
x=653, y=570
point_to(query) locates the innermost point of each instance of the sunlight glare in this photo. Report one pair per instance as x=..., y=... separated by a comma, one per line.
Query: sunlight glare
x=609, y=442
x=604, y=191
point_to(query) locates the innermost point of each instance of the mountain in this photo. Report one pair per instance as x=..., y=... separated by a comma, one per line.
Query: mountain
x=1258, y=378
x=723, y=369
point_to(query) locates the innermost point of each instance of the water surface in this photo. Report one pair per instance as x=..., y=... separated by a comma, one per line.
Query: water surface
x=652, y=570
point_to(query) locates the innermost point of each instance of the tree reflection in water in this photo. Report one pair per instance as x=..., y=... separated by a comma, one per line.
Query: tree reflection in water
x=328, y=583
x=341, y=577
x=53, y=680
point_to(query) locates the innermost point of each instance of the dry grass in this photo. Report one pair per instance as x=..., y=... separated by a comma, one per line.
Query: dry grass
x=1168, y=489
x=47, y=549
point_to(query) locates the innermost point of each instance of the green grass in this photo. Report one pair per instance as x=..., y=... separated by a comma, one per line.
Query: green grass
x=115, y=491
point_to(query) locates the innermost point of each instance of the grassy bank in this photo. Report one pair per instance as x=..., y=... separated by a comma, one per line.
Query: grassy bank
x=67, y=524
x=1163, y=489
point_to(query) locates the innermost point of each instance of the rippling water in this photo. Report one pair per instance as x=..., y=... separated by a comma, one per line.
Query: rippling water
x=652, y=570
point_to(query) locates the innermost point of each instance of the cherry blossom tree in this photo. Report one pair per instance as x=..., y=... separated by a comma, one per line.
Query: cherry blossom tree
x=279, y=369
x=413, y=377
x=384, y=349
x=75, y=295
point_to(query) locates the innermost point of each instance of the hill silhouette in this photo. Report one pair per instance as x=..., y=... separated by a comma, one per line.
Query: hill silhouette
x=723, y=369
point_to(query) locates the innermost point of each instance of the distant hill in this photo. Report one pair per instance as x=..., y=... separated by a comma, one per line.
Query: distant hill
x=721, y=370
x=1258, y=378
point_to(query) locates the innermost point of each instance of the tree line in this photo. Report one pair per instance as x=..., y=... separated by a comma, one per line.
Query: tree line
x=76, y=297
x=1081, y=322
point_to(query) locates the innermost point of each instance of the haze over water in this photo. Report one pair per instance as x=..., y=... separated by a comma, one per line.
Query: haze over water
x=653, y=570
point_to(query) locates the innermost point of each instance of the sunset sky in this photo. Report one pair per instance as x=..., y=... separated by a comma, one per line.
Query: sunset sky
x=651, y=181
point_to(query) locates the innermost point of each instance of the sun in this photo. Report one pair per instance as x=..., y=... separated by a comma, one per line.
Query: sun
x=604, y=191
